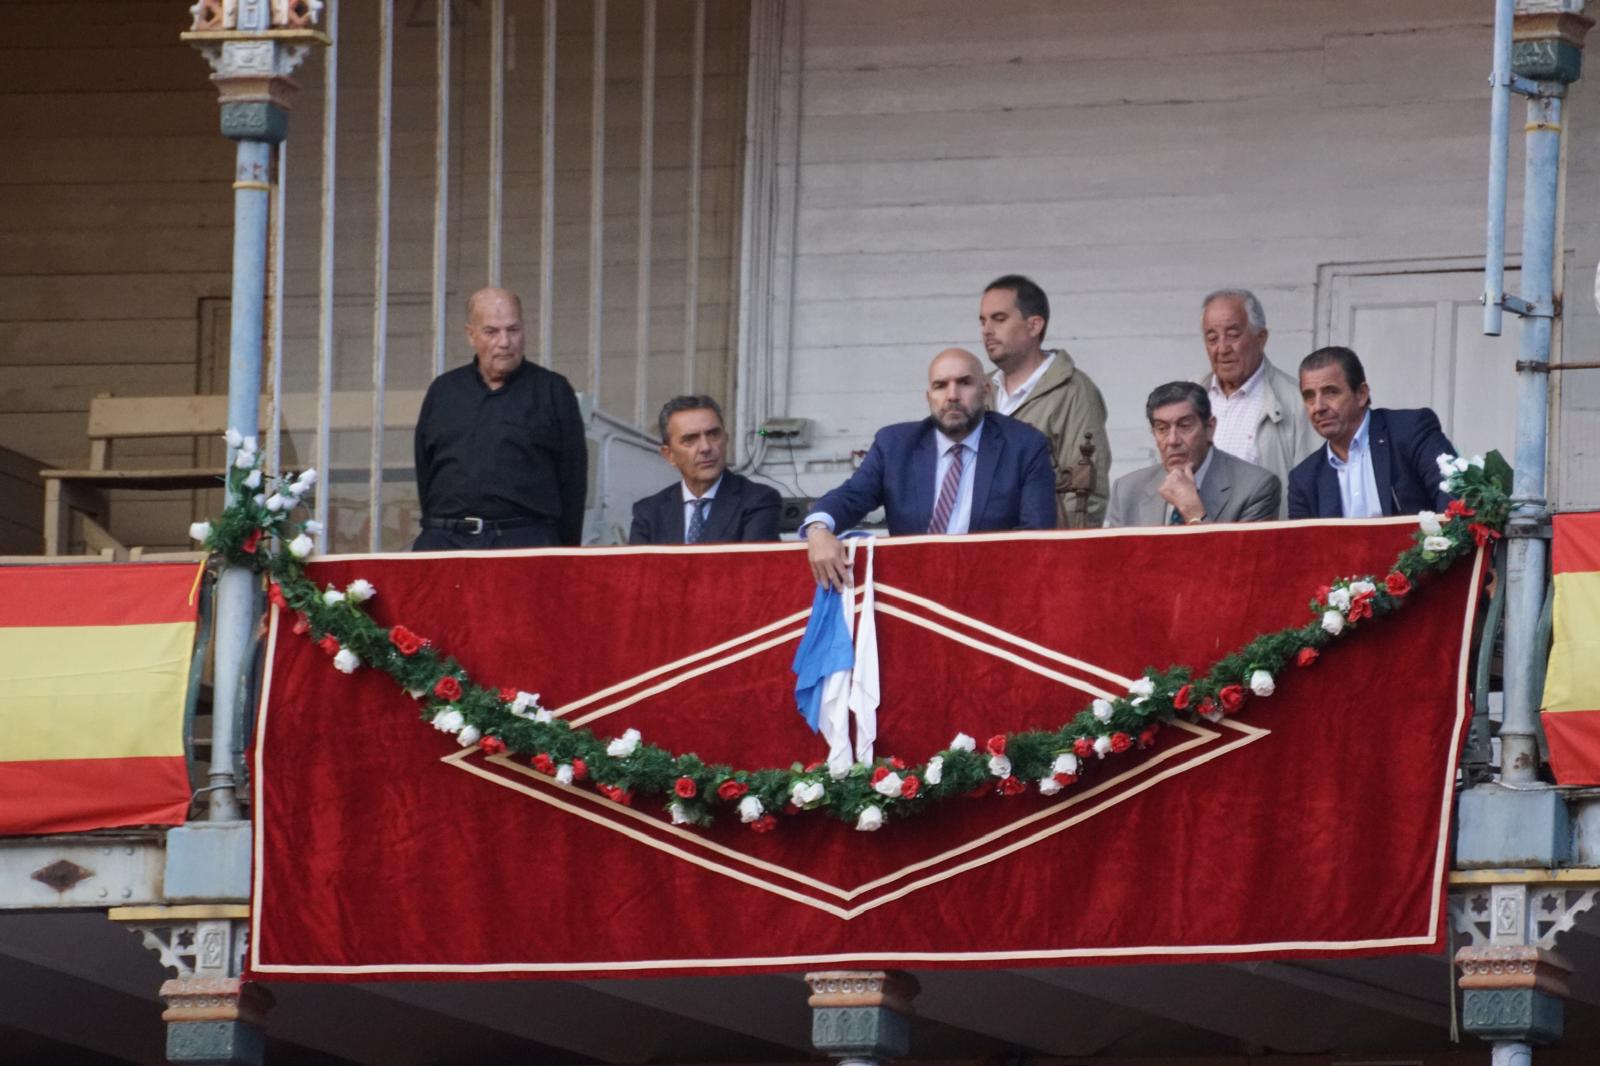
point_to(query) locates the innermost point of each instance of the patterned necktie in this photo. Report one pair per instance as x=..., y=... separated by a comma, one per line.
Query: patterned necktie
x=697, y=524
x=946, y=504
x=1176, y=519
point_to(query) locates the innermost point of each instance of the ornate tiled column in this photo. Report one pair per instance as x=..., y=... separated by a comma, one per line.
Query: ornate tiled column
x=212, y=1016
x=861, y=1017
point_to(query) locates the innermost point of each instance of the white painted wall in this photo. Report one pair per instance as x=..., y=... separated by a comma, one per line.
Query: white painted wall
x=1130, y=157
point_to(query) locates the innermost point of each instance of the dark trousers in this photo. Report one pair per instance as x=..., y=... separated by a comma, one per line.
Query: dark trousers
x=538, y=535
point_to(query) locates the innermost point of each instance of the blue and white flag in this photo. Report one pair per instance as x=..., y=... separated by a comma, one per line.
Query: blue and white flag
x=835, y=680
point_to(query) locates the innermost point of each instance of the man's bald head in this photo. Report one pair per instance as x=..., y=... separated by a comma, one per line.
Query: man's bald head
x=494, y=329
x=490, y=294
x=956, y=392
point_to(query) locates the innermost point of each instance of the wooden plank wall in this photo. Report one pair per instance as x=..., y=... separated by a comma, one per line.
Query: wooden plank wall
x=1131, y=158
x=116, y=214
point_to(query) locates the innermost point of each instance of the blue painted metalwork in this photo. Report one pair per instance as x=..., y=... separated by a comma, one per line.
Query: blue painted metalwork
x=1499, y=146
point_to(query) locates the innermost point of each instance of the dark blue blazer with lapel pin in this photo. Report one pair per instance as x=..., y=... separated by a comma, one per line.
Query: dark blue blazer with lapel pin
x=1014, y=485
x=1406, y=446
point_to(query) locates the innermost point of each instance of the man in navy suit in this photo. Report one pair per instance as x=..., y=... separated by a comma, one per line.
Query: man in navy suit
x=707, y=505
x=960, y=470
x=1377, y=461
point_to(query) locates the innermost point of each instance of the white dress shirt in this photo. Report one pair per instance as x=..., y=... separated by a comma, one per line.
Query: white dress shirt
x=1239, y=415
x=690, y=500
x=961, y=513
x=1358, y=486
x=1007, y=402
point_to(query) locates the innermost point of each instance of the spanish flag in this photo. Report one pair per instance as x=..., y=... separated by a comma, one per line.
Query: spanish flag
x=94, y=674
x=1572, y=684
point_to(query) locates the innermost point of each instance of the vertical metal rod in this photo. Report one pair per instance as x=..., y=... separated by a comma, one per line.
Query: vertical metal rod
x=1526, y=554
x=1494, y=259
x=236, y=590
x=380, y=274
x=330, y=147
x=691, y=266
x=274, y=441
x=547, y=191
x=497, y=132
x=597, y=197
x=647, y=154
x=441, y=181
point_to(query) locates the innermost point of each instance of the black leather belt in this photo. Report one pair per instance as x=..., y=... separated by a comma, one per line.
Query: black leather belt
x=473, y=525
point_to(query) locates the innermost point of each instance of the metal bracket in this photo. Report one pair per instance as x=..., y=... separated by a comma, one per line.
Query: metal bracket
x=1528, y=914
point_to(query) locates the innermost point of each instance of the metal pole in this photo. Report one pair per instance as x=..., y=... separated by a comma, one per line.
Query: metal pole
x=1494, y=259
x=647, y=151
x=597, y=198
x=380, y=274
x=497, y=133
x=1519, y=750
x=547, y=191
x=325, y=263
x=441, y=182
x=691, y=266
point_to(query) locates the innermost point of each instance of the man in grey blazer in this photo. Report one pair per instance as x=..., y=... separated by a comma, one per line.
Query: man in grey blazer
x=1194, y=482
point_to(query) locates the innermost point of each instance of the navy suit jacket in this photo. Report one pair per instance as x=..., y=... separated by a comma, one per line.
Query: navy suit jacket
x=1014, y=484
x=740, y=511
x=1406, y=446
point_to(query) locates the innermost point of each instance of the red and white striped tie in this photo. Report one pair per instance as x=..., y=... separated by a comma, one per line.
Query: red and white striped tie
x=948, y=490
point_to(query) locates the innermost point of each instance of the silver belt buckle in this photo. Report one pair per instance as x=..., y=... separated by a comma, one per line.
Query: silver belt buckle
x=474, y=525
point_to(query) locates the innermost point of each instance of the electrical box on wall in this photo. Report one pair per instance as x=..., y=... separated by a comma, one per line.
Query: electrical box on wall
x=795, y=432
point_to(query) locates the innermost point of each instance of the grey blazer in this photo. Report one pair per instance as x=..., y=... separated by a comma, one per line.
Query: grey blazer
x=1233, y=491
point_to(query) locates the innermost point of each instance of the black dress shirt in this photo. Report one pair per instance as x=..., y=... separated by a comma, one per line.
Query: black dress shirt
x=513, y=452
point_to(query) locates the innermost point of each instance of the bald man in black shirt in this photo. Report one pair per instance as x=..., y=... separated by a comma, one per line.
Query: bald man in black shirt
x=501, y=457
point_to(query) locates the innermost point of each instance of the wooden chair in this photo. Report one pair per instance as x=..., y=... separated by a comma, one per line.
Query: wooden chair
x=113, y=418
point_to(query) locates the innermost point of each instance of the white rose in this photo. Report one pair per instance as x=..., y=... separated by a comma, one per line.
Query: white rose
x=276, y=502
x=247, y=444
x=360, y=590
x=840, y=770
x=306, y=479
x=999, y=766
x=301, y=546
x=543, y=716
x=564, y=773
x=962, y=742
x=1339, y=598
x=1102, y=746
x=624, y=746
x=332, y=596
x=870, y=819
x=1447, y=464
x=679, y=815
x=1477, y=461
x=889, y=785
x=469, y=736
x=1359, y=587
x=935, y=771
x=750, y=809
x=1142, y=687
x=449, y=720
x=416, y=693
x=1333, y=622
x=252, y=480
x=1049, y=786
x=244, y=460
x=523, y=701
x=233, y=437
x=805, y=793
x=1261, y=683
x=259, y=499
x=1462, y=465
x=199, y=531
x=314, y=527
x=1102, y=710
x=1429, y=523
x=1436, y=544
x=1066, y=763
x=346, y=661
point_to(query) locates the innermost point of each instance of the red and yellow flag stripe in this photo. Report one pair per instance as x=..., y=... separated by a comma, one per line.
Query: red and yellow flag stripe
x=1572, y=683
x=94, y=673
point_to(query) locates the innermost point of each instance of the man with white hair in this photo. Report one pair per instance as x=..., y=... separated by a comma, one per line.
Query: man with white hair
x=1260, y=418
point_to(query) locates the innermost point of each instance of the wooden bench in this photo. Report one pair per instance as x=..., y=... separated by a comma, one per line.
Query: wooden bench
x=113, y=418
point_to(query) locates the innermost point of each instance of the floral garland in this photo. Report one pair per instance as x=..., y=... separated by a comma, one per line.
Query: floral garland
x=256, y=530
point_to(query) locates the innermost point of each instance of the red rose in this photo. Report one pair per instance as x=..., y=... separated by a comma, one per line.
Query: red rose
x=731, y=790
x=580, y=770
x=251, y=542
x=1397, y=584
x=1206, y=707
x=1013, y=786
x=1322, y=593
x=897, y=762
x=1459, y=509
x=492, y=745
x=300, y=624
x=1482, y=534
x=1121, y=742
x=1360, y=607
x=275, y=594
x=1306, y=657
x=329, y=644
x=1231, y=698
x=507, y=695
x=685, y=787
x=543, y=763
x=406, y=641
x=910, y=786
x=879, y=774
x=997, y=744
x=447, y=688
x=616, y=794
x=814, y=767
x=765, y=824
x=1065, y=779
x=1083, y=747
x=1180, y=699
x=1147, y=736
